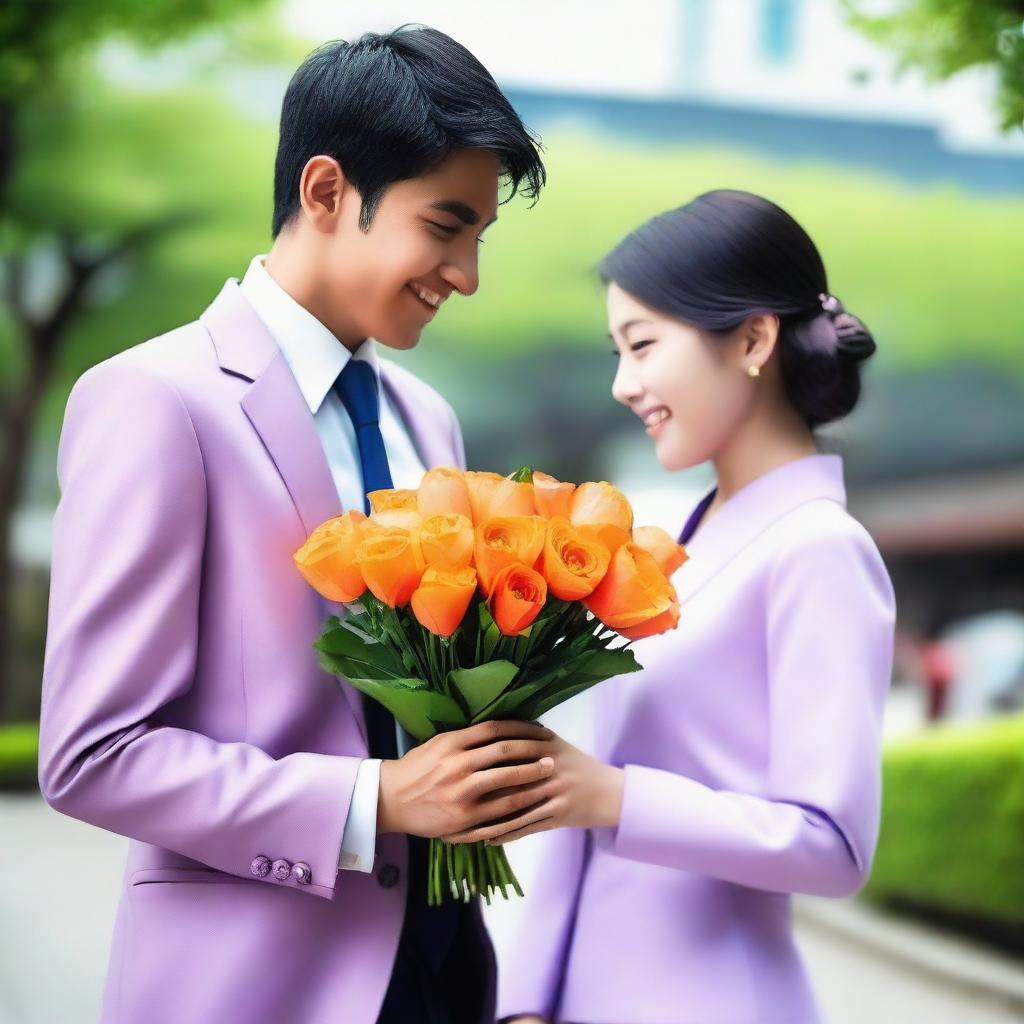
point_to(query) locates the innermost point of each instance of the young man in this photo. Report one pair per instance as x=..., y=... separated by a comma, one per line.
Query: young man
x=276, y=866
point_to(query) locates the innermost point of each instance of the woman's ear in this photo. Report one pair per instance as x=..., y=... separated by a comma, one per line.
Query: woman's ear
x=760, y=334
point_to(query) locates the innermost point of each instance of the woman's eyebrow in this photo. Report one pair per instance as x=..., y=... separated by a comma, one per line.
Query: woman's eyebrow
x=627, y=324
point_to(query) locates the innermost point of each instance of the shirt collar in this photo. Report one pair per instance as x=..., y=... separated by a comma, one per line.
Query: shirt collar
x=314, y=355
x=753, y=509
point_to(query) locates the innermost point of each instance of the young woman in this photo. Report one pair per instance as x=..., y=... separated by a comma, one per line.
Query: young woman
x=742, y=765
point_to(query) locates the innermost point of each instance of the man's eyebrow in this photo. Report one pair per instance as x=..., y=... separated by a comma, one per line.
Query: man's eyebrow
x=464, y=212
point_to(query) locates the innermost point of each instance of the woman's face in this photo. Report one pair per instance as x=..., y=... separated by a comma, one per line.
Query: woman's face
x=691, y=392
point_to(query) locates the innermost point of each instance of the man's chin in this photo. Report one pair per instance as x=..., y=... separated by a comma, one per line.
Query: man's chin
x=402, y=341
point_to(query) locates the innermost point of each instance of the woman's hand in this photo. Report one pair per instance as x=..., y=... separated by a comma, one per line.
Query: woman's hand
x=581, y=792
x=455, y=781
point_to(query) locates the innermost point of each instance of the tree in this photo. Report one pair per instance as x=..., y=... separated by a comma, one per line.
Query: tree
x=73, y=212
x=942, y=37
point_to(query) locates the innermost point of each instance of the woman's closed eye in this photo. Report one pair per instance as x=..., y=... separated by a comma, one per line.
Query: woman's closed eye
x=635, y=346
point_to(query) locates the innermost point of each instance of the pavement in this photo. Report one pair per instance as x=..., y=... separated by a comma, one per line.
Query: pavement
x=61, y=879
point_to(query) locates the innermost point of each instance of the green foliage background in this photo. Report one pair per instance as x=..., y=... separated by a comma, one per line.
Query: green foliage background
x=934, y=271
x=953, y=821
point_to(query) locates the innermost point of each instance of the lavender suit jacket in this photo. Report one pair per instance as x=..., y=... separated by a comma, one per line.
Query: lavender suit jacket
x=182, y=702
x=751, y=748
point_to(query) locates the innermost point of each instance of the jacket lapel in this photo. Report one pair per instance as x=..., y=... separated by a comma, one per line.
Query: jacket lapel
x=751, y=511
x=278, y=413
x=431, y=440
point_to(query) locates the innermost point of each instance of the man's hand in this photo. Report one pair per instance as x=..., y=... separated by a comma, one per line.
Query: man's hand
x=581, y=792
x=459, y=780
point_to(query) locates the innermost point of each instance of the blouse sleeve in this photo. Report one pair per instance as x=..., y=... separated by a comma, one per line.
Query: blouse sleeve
x=829, y=642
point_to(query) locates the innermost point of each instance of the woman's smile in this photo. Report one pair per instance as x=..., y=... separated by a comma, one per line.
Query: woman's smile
x=654, y=418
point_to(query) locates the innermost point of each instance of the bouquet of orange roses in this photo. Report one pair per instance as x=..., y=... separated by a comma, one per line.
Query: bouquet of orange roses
x=481, y=597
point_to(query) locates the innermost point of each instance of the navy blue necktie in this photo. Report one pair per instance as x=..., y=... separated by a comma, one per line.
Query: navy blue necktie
x=356, y=386
x=428, y=932
x=416, y=991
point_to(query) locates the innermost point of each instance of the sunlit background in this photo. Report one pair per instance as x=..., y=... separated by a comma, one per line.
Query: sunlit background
x=136, y=160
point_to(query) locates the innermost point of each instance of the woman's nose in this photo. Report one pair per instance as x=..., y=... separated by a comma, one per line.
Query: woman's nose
x=625, y=388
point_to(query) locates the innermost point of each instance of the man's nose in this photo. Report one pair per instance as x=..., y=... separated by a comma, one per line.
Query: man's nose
x=463, y=274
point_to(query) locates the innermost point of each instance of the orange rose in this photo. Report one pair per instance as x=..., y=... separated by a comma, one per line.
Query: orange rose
x=447, y=540
x=443, y=491
x=552, y=497
x=507, y=540
x=441, y=599
x=491, y=495
x=602, y=511
x=327, y=559
x=667, y=553
x=633, y=591
x=401, y=518
x=573, y=564
x=518, y=596
x=391, y=563
x=391, y=498
x=662, y=623
x=391, y=507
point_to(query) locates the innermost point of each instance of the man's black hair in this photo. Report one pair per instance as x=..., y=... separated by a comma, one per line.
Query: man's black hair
x=390, y=107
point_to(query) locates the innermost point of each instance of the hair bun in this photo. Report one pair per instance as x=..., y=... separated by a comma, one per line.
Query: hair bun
x=852, y=339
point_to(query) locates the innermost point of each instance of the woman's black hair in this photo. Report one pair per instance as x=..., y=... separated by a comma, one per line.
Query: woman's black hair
x=390, y=107
x=728, y=255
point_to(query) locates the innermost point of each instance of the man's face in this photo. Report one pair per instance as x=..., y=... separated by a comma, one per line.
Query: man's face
x=422, y=245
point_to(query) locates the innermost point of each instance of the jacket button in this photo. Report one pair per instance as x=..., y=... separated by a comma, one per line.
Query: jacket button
x=388, y=876
x=260, y=866
x=302, y=873
x=282, y=870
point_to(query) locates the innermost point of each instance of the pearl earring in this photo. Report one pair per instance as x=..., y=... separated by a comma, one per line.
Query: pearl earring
x=753, y=371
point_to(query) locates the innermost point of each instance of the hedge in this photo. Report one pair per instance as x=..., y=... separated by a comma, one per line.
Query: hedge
x=952, y=835
x=19, y=754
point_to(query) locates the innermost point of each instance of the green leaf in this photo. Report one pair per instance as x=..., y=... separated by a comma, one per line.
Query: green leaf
x=612, y=663
x=523, y=475
x=486, y=619
x=491, y=639
x=509, y=703
x=480, y=686
x=532, y=710
x=339, y=641
x=339, y=665
x=590, y=670
x=422, y=712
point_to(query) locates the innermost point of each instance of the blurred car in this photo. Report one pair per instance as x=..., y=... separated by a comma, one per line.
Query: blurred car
x=985, y=665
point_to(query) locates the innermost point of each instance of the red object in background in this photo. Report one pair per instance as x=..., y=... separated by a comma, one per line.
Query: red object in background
x=939, y=665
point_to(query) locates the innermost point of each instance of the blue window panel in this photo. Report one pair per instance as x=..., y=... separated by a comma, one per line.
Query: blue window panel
x=778, y=29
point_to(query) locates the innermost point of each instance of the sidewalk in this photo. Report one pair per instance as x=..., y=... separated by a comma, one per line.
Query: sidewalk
x=61, y=879
x=59, y=891
x=869, y=965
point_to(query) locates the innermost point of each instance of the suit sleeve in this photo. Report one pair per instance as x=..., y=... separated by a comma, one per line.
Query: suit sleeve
x=122, y=644
x=829, y=641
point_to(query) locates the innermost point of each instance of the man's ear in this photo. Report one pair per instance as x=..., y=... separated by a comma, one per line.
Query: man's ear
x=760, y=334
x=322, y=190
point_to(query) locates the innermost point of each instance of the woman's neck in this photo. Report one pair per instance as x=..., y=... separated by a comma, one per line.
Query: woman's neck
x=757, y=449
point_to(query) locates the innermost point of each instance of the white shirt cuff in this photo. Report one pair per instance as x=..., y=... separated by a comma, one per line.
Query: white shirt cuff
x=359, y=841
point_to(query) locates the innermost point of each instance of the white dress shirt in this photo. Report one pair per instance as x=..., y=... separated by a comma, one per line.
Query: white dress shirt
x=316, y=357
